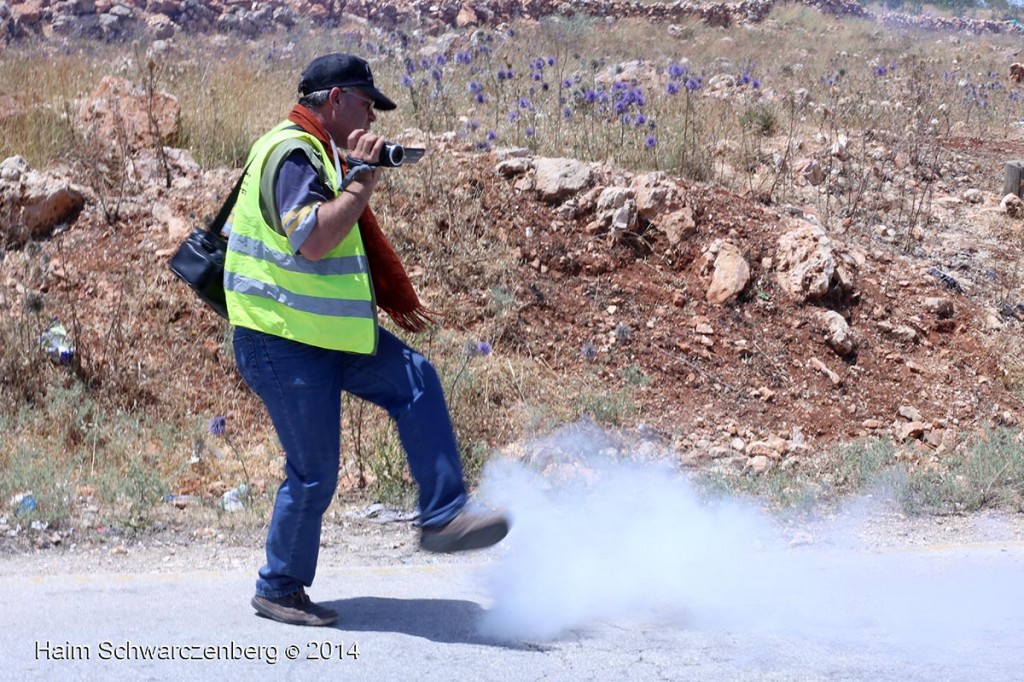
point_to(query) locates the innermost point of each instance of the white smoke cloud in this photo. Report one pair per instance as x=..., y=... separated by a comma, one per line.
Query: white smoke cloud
x=597, y=540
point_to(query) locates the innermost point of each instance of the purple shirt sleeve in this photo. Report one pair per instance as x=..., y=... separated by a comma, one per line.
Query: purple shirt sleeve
x=298, y=193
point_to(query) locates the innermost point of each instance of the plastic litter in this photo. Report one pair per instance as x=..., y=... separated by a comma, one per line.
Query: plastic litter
x=24, y=502
x=234, y=499
x=56, y=341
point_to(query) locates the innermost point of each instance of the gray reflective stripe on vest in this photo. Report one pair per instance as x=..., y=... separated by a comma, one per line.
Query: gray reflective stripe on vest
x=308, y=304
x=341, y=265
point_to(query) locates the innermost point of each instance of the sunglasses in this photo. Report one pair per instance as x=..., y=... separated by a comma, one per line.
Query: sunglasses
x=369, y=102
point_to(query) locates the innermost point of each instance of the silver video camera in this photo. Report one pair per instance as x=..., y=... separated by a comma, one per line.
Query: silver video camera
x=394, y=155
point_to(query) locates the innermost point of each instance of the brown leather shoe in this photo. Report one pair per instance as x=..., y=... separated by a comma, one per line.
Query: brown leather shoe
x=294, y=609
x=470, y=529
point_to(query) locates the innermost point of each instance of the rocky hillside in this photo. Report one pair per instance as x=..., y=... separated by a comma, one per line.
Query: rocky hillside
x=748, y=333
x=161, y=19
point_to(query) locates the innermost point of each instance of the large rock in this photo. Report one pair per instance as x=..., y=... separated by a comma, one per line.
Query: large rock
x=557, y=178
x=466, y=17
x=32, y=204
x=837, y=333
x=159, y=27
x=730, y=275
x=678, y=225
x=120, y=110
x=805, y=262
x=655, y=195
x=27, y=13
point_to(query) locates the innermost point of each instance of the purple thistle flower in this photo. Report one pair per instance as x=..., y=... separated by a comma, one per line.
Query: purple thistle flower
x=756, y=84
x=677, y=71
x=424, y=63
x=529, y=131
x=672, y=88
x=483, y=145
x=407, y=81
x=524, y=103
x=567, y=84
x=551, y=61
x=410, y=66
x=436, y=74
x=491, y=136
x=590, y=96
x=481, y=98
x=537, y=76
x=473, y=123
x=544, y=86
x=567, y=113
x=463, y=57
x=483, y=348
x=440, y=59
x=218, y=425
x=475, y=88
x=650, y=141
x=693, y=83
x=640, y=120
x=626, y=119
x=880, y=70
x=512, y=116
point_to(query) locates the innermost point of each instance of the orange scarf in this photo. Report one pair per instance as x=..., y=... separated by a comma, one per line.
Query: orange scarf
x=392, y=288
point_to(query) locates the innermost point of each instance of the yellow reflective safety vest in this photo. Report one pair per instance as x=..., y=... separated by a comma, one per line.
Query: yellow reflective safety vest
x=327, y=303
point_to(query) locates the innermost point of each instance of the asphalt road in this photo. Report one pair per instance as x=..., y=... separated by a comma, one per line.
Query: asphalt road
x=419, y=622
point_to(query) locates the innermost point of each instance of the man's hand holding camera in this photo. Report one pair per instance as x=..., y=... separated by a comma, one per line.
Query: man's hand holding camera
x=366, y=147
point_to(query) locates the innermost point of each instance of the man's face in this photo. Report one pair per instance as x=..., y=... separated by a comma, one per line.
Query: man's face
x=353, y=109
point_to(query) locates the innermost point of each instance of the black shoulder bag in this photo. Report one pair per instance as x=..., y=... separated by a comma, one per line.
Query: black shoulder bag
x=199, y=261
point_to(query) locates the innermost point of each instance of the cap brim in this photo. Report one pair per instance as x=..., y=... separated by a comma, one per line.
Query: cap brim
x=380, y=100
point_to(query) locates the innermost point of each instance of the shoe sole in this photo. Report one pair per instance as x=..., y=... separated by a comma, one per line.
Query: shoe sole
x=267, y=613
x=476, y=539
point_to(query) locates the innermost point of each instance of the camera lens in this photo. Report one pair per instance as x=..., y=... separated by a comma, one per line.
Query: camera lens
x=393, y=154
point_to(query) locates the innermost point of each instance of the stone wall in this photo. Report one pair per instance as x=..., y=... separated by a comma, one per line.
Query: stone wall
x=161, y=19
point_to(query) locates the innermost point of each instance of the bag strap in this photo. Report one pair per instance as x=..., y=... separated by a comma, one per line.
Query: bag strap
x=222, y=216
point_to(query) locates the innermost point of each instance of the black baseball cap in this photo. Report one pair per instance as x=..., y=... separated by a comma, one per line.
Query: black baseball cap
x=342, y=71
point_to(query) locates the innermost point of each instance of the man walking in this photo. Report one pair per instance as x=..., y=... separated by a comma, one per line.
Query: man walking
x=307, y=266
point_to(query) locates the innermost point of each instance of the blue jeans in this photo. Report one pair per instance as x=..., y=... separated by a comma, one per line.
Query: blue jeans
x=301, y=386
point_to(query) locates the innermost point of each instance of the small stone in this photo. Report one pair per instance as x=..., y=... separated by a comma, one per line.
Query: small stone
x=913, y=430
x=973, y=196
x=939, y=306
x=910, y=413
x=758, y=464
